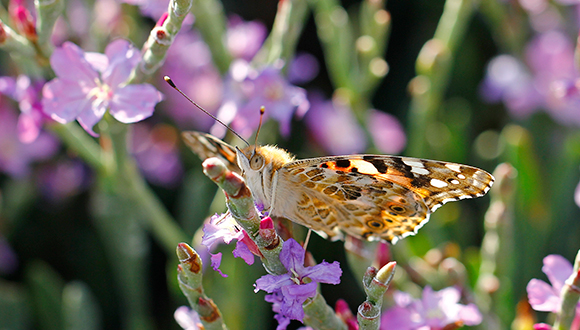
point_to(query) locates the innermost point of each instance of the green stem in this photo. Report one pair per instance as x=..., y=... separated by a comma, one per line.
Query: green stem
x=48, y=12
x=189, y=277
x=161, y=37
x=318, y=315
x=241, y=204
x=75, y=138
x=497, y=250
x=160, y=222
x=281, y=43
x=375, y=284
x=211, y=23
x=570, y=295
x=336, y=37
x=433, y=70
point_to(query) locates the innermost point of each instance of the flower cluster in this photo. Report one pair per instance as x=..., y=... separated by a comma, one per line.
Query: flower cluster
x=289, y=291
x=435, y=310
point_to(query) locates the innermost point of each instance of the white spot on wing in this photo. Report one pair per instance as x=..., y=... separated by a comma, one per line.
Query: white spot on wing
x=413, y=163
x=454, y=167
x=461, y=176
x=454, y=181
x=421, y=171
x=438, y=183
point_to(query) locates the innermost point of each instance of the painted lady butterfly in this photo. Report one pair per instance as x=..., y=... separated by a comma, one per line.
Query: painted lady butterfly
x=375, y=197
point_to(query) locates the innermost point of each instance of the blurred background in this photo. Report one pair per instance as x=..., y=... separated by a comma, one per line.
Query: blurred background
x=474, y=82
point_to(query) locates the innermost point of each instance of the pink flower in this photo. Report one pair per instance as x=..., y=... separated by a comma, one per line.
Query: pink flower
x=196, y=76
x=62, y=179
x=386, y=131
x=15, y=156
x=247, y=90
x=435, y=310
x=544, y=297
x=334, y=127
x=156, y=150
x=90, y=83
x=224, y=229
x=26, y=93
x=244, y=39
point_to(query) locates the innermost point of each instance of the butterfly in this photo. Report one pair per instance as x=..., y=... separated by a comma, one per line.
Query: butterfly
x=373, y=197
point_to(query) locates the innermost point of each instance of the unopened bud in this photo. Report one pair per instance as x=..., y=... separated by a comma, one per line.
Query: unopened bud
x=188, y=256
x=3, y=34
x=267, y=231
x=344, y=313
x=25, y=23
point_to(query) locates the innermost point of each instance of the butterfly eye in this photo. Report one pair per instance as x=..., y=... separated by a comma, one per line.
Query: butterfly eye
x=257, y=162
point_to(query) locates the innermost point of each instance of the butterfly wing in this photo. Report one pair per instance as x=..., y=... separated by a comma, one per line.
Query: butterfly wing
x=207, y=146
x=372, y=196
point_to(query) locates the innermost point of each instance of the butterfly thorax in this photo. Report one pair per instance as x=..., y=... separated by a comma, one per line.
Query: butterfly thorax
x=259, y=165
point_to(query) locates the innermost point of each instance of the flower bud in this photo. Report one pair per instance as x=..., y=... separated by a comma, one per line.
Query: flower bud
x=24, y=22
x=3, y=34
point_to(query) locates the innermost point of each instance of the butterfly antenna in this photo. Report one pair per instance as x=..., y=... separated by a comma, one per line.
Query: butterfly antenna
x=262, y=110
x=172, y=84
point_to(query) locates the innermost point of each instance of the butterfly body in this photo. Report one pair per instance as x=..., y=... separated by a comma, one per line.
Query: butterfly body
x=375, y=197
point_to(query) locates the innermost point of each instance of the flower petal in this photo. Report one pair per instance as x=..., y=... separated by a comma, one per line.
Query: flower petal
x=292, y=256
x=294, y=297
x=558, y=269
x=216, y=260
x=69, y=63
x=397, y=318
x=242, y=251
x=133, y=103
x=90, y=117
x=470, y=315
x=542, y=296
x=123, y=57
x=272, y=283
x=324, y=272
x=64, y=101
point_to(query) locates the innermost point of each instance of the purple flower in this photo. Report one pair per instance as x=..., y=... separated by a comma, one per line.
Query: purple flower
x=197, y=77
x=303, y=68
x=90, y=83
x=223, y=228
x=15, y=156
x=244, y=39
x=63, y=179
x=508, y=80
x=187, y=318
x=386, y=131
x=247, y=90
x=334, y=127
x=550, y=80
x=291, y=290
x=156, y=151
x=542, y=296
x=435, y=310
x=26, y=92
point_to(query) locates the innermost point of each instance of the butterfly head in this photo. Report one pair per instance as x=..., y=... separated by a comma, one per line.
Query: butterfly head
x=259, y=165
